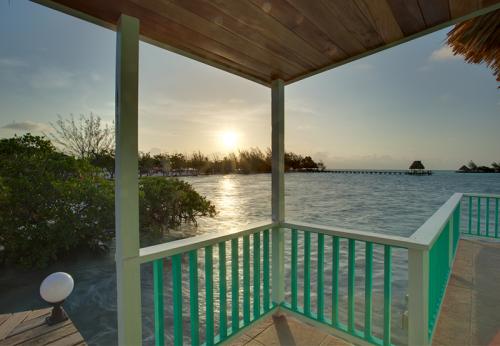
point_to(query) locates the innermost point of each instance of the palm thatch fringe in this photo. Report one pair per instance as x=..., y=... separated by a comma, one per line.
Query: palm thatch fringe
x=478, y=40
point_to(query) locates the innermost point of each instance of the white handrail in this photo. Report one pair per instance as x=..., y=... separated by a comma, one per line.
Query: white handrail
x=430, y=230
x=485, y=195
x=378, y=238
x=151, y=253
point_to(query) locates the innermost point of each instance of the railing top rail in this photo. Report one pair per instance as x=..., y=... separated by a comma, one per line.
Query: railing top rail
x=378, y=238
x=430, y=230
x=485, y=195
x=151, y=253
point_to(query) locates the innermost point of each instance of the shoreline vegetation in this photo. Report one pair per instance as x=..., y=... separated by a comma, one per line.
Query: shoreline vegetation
x=471, y=167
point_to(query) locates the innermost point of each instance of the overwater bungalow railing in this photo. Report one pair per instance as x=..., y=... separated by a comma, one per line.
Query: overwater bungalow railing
x=233, y=286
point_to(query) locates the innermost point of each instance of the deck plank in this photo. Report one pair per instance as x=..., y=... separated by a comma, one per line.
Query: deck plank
x=29, y=327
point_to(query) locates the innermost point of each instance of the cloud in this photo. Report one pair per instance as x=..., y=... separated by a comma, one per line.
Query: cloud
x=25, y=126
x=51, y=78
x=11, y=62
x=443, y=54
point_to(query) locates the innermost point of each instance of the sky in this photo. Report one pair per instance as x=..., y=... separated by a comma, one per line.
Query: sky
x=413, y=102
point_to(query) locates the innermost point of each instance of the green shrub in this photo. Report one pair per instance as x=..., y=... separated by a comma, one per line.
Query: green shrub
x=168, y=202
x=52, y=204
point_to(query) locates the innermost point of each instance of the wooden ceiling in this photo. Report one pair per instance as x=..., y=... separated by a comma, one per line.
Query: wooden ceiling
x=263, y=40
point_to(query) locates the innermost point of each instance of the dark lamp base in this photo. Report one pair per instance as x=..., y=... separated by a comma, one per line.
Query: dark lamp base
x=58, y=315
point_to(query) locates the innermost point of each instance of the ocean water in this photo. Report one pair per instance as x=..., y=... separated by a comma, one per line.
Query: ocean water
x=380, y=203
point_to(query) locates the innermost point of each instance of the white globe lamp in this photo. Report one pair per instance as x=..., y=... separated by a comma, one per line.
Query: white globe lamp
x=54, y=289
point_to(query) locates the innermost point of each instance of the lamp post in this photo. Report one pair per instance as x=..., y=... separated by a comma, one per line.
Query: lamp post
x=54, y=289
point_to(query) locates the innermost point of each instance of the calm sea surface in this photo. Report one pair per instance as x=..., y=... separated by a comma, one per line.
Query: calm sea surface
x=380, y=203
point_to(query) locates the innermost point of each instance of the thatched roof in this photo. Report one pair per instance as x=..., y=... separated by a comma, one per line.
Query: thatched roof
x=417, y=165
x=464, y=168
x=478, y=40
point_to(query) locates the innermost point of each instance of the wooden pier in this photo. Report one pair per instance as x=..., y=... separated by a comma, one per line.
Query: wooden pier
x=370, y=171
x=29, y=328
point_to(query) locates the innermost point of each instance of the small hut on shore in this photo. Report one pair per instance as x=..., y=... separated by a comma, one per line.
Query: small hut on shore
x=418, y=168
x=463, y=169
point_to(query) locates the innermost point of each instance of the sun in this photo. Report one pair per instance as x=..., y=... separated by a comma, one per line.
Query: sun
x=229, y=140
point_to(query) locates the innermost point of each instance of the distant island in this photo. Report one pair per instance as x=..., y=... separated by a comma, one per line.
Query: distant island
x=473, y=168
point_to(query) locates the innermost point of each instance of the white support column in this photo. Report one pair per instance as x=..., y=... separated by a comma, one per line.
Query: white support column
x=278, y=188
x=418, y=297
x=128, y=277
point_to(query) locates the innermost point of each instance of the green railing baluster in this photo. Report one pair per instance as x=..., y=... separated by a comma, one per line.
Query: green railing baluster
x=246, y=280
x=335, y=280
x=479, y=216
x=320, y=284
x=350, y=285
x=209, y=285
x=177, y=298
x=294, y=268
x=235, y=299
x=487, y=216
x=368, y=289
x=222, y=291
x=470, y=215
x=307, y=273
x=256, y=275
x=193, y=298
x=496, y=218
x=158, y=302
x=387, y=294
x=265, y=263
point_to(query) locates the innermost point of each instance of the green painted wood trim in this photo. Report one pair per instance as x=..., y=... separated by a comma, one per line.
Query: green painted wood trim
x=235, y=300
x=470, y=215
x=246, y=280
x=209, y=292
x=496, y=217
x=350, y=284
x=222, y=292
x=177, y=298
x=321, y=278
x=194, y=318
x=368, y=289
x=487, y=216
x=294, y=268
x=158, y=302
x=335, y=280
x=479, y=216
x=266, y=275
x=256, y=275
x=307, y=273
x=387, y=294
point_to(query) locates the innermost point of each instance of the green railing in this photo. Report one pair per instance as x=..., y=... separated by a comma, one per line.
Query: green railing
x=333, y=260
x=481, y=213
x=221, y=283
x=210, y=274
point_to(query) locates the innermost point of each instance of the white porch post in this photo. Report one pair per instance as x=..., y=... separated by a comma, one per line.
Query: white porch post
x=278, y=189
x=126, y=184
x=418, y=297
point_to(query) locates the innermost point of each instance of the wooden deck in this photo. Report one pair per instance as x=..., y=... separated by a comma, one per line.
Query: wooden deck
x=470, y=314
x=29, y=328
x=285, y=330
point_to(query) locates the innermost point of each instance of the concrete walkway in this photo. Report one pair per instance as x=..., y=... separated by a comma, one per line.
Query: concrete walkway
x=470, y=314
x=288, y=331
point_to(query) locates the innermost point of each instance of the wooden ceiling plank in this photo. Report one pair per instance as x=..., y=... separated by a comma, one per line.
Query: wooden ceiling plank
x=182, y=16
x=459, y=8
x=177, y=35
x=347, y=13
x=317, y=13
x=290, y=17
x=435, y=11
x=248, y=14
x=382, y=18
x=408, y=15
x=206, y=10
x=206, y=52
